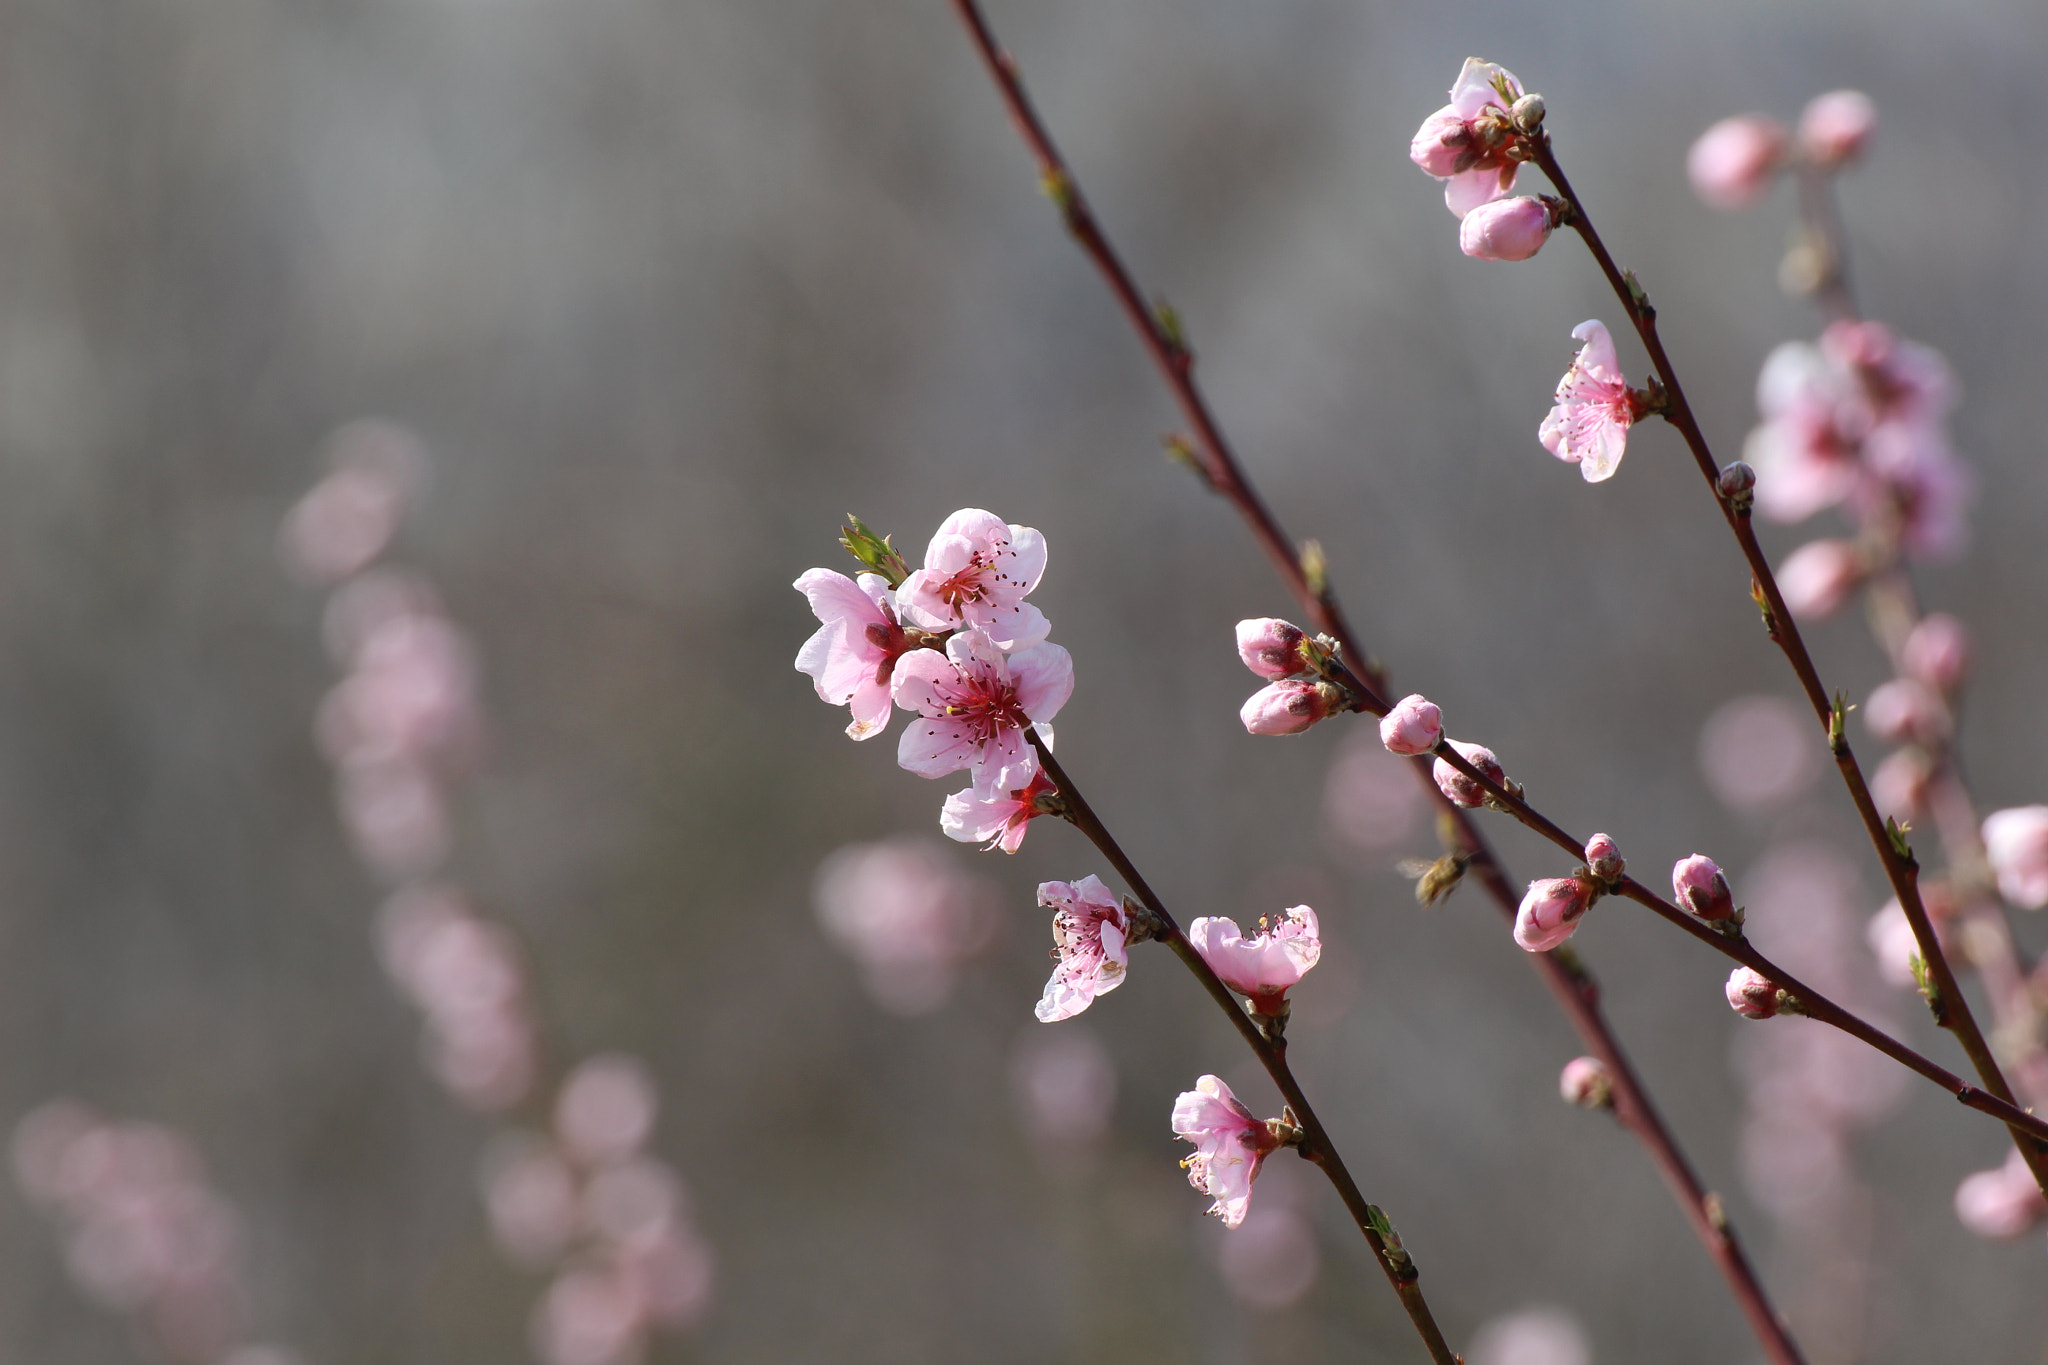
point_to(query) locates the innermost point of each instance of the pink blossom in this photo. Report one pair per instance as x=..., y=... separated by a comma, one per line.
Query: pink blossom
x=1758, y=751
x=1285, y=708
x=1937, y=652
x=1836, y=126
x=1586, y=1082
x=1550, y=912
x=2002, y=1202
x=975, y=704
x=1271, y=648
x=1905, y=710
x=976, y=574
x=1818, y=577
x=1506, y=229
x=1733, y=162
x=1699, y=887
x=907, y=915
x=1533, y=1336
x=1589, y=424
x=1899, y=786
x=605, y=1110
x=1370, y=799
x=1089, y=927
x=1466, y=142
x=1230, y=1146
x=852, y=655
x=1001, y=820
x=348, y=518
x=1806, y=450
x=1893, y=943
x=1603, y=858
x=1752, y=995
x=1272, y=1259
x=1268, y=963
x=1414, y=726
x=530, y=1197
x=1064, y=1081
x=2016, y=842
x=1462, y=790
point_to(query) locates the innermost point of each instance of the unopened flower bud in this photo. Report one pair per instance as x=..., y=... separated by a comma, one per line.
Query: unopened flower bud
x=1287, y=708
x=1937, y=652
x=1462, y=790
x=1737, y=482
x=1732, y=163
x=1603, y=858
x=1751, y=995
x=1551, y=912
x=1506, y=229
x=1835, y=126
x=1905, y=710
x=1271, y=648
x=1527, y=113
x=1443, y=145
x=1414, y=726
x=1698, y=886
x=1817, y=577
x=1586, y=1082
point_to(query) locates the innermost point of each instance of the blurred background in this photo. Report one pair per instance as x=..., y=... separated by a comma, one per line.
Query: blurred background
x=643, y=297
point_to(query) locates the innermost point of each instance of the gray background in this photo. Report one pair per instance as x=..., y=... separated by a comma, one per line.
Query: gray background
x=667, y=288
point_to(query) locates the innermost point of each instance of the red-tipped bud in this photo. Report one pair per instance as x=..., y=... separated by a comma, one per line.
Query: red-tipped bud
x=1506, y=230
x=1938, y=652
x=1818, y=577
x=1751, y=995
x=1905, y=711
x=1698, y=886
x=1586, y=1082
x=1271, y=648
x=1551, y=912
x=1286, y=708
x=1603, y=858
x=1462, y=790
x=1732, y=163
x=1835, y=126
x=1413, y=727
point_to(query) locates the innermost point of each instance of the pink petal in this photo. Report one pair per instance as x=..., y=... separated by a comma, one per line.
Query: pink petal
x=1044, y=677
x=1467, y=190
x=937, y=745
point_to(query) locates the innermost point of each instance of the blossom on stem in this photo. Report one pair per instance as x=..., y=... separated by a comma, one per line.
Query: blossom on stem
x=1287, y=707
x=1586, y=1082
x=1603, y=858
x=1230, y=1146
x=1414, y=726
x=1834, y=127
x=976, y=574
x=1734, y=162
x=1265, y=965
x=1090, y=932
x=1698, y=886
x=1460, y=789
x=1000, y=819
x=974, y=705
x=2016, y=842
x=1751, y=994
x=1506, y=229
x=1550, y=912
x=852, y=656
x=1588, y=424
x=1271, y=648
x=1469, y=141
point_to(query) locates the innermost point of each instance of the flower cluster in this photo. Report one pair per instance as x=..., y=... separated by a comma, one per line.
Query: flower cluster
x=907, y=916
x=1477, y=144
x=1296, y=695
x=1734, y=162
x=956, y=643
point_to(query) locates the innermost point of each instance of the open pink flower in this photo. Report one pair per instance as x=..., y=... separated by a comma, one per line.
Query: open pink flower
x=974, y=705
x=999, y=820
x=1089, y=927
x=1230, y=1146
x=853, y=653
x=976, y=573
x=1589, y=424
x=2016, y=842
x=1265, y=965
x=1466, y=142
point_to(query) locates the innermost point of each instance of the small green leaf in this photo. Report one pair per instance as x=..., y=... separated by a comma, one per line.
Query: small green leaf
x=873, y=551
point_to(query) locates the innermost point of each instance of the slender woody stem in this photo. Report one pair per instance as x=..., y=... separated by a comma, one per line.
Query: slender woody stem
x=1316, y=1146
x=1210, y=455
x=1901, y=870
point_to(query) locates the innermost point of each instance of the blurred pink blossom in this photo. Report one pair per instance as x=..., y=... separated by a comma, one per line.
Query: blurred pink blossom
x=977, y=571
x=1065, y=1086
x=2016, y=842
x=1905, y=711
x=1937, y=652
x=1817, y=578
x=590, y=1315
x=1893, y=944
x=1464, y=143
x=907, y=914
x=348, y=518
x=1760, y=751
x=1089, y=928
x=1733, y=162
x=410, y=697
x=1268, y=963
x=1588, y=425
x=395, y=817
x=530, y=1197
x=1230, y=1146
x=851, y=657
x=2002, y=1202
x=1533, y=1336
x=1273, y=1257
x=1835, y=127
x=1370, y=799
x=605, y=1109
x=974, y=705
x=1586, y=1082
x=1899, y=786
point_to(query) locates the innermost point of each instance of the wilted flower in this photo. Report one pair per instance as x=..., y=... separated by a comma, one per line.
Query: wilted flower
x=1265, y=965
x=1588, y=426
x=1230, y=1146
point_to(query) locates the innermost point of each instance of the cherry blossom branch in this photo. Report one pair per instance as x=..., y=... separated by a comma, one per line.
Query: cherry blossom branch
x=1952, y=1011
x=1271, y=1050
x=1210, y=455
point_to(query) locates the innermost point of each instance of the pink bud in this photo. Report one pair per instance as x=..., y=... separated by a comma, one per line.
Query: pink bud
x=1938, y=652
x=1697, y=885
x=1506, y=229
x=1587, y=1083
x=1603, y=858
x=2001, y=1202
x=1443, y=146
x=1462, y=790
x=1835, y=126
x=1285, y=708
x=1817, y=577
x=1905, y=711
x=1550, y=912
x=1732, y=163
x=1750, y=995
x=1413, y=727
x=1899, y=786
x=1271, y=648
